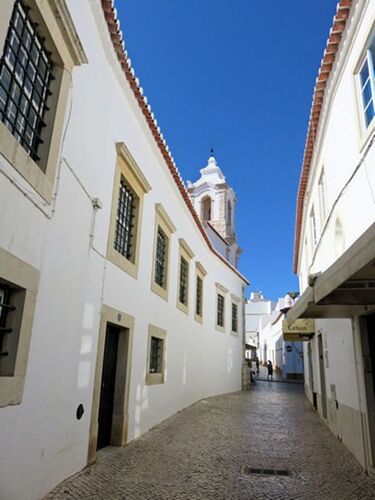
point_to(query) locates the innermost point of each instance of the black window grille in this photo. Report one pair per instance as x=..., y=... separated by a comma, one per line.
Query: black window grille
x=198, y=305
x=156, y=355
x=220, y=310
x=25, y=76
x=234, y=318
x=5, y=308
x=124, y=232
x=160, y=261
x=184, y=271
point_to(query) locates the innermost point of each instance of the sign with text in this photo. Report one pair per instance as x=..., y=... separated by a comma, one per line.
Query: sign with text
x=301, y=330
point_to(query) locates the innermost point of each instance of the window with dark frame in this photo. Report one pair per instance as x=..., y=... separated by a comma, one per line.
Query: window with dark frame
x=125, y=221
x=12, y=299
x=198, y=304
x=161, y=256
x=220, y=310
x=5, y=308
x=156, y=355
x=183, y=289
x=234, y=318
x=25, y=77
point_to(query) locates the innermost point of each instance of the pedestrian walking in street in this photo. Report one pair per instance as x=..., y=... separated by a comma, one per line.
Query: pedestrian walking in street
x=257, y=364
x=270, y=370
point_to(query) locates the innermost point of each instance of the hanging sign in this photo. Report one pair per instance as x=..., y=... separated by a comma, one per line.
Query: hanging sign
x=300, y=330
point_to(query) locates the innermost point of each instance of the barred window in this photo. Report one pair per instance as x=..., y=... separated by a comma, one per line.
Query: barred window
x=126, y=211
x=220, y=310
x=5, y=307
x=160, y=261
x=25, y=77
x=12, y=300
x=234, y=318
x=198, y=304
x=184, y=271
x=156, y=355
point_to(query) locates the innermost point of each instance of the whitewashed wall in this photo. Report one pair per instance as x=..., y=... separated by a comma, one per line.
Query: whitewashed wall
x=41, y=442
x=340, y=147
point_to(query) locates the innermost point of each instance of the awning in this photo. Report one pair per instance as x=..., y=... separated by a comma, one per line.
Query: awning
x=345, y=289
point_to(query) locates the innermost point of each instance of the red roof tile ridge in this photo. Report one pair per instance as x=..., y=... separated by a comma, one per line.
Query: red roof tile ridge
x=329, y=56
x=113, y=23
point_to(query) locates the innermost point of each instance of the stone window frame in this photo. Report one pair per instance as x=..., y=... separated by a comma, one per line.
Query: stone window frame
x=163, y=221
x=25, y=276
x=156, y=378
x=56, y=26
x=235, y=301
x=201, y=273
x=127, y=168
x=221, y=290
x=184, y=252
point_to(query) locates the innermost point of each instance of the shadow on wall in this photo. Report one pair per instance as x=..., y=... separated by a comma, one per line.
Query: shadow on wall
x=229, y=360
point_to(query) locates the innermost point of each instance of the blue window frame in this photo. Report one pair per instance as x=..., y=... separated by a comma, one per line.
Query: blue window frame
x=367, y=84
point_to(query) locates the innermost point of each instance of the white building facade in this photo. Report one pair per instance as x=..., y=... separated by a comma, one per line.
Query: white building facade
x=116, y=310
x=264, y=329
x=335, y=233
x=257, y=311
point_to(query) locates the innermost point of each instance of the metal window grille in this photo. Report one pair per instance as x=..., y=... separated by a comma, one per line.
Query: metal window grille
x=198, y=305
x=220, y=310
x=5, y=308
x=156, y=355
x=25, y=76
x=160, y=261
x=124, y=232
x=234, y=318
x=184, y=270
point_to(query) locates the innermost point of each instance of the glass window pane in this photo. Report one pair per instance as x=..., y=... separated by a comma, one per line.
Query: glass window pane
x=3, y=98
x=21, y=78
x=367, y=93
x=369, y=113
x=364, y=73
x=5, y=78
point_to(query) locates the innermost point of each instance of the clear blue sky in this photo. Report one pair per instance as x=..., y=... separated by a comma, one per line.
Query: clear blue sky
x=238, y=74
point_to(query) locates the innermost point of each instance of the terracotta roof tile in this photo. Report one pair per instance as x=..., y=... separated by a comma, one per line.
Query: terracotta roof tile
x=339, y=23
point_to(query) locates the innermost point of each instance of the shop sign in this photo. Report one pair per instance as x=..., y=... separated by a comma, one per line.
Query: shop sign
x=300, y=330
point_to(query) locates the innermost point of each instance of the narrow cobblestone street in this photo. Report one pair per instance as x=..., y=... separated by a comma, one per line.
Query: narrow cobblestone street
x=201, y=452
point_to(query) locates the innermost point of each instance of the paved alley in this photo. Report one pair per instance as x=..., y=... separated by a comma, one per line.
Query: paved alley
x=202, y=452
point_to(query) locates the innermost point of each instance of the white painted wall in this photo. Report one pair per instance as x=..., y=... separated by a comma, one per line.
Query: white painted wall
x=344, y=150
x=41, y=442
x=340, y=146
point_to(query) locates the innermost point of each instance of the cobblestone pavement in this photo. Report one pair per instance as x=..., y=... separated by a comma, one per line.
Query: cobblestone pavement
x=200, y=453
